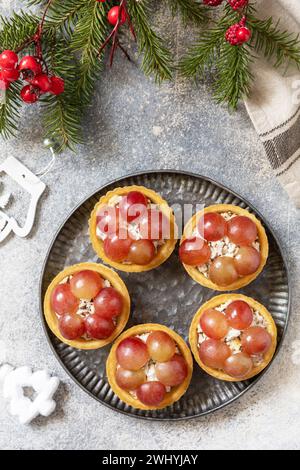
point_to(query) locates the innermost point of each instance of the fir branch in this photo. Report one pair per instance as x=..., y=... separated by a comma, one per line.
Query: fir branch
x=190, y=10
x=156, y=57
x=63, y=113
x=202, y=54
x=9, y=111
x=268, y=39
x=17, y=29
x=233, y=74
x=89, y=34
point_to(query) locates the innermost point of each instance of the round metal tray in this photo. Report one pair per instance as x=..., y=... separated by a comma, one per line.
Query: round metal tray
x=166, y=295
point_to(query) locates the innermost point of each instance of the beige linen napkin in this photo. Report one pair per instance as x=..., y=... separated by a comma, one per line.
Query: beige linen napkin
x=274, y=104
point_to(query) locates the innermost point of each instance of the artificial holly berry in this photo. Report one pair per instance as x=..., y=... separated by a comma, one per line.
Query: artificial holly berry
x=42, y=82
x=238, y=4
x=10, y=75
x=57, y=85
x=29, y=94
x=30, y=67
x=113, y=15
x=8, y=59
x=213, y=3
x=238, y=33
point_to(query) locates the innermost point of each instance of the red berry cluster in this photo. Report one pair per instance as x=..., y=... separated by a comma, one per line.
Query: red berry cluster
x=238, y=33
x=30, y=70
x=238, y=4
x=213, y=3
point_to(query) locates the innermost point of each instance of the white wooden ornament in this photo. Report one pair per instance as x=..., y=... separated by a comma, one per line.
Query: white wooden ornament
x=44, y=386
x=30, y=183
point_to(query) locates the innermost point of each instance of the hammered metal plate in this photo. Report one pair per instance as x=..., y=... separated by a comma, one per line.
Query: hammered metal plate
x=166, y=295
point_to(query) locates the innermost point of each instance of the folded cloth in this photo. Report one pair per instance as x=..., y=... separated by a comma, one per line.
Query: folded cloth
x=274, y=103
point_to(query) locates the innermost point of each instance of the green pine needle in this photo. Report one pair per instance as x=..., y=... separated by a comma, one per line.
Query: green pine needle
x=191, y=10
x=9, y=111
x=157, y=58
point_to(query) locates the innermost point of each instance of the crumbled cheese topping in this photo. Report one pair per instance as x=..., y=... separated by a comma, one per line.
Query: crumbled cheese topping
x=233, y=337
x=223, y=247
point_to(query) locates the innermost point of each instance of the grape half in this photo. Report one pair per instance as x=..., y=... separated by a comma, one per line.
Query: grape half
x=172, y=372
x=256, y=340
x=212, y=226
x=132, y=205
x=141, y=252
x=194, y=251
x=241, y=230
x=213, y=353
x=222, y=271
x=116, y=247
x=160, y=346
x=71, y=326
x=132, y=353
x=151, y=393
x=86, y=284
x=247, y=260
x=108, y=303
x=239, y=315
x=238, y=365
x=130, y=379
x=62, y=300
x=99, y=327
x=214, y=324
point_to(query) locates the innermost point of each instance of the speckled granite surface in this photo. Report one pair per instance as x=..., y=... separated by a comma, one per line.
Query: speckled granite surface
x=136, y=126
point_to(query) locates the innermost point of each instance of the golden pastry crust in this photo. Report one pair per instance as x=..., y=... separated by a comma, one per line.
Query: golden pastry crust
x=115, y=281
x=263, y=241
x=175, y=393
x=217, y=301
x=164, y=251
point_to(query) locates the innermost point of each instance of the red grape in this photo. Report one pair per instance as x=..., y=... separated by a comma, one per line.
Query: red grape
x=130, y=379
x=132, y=353
x=194, y=252
x=160, y=346
x=108, y=303
x=151, y=393
x=62, y=300
x=239, y=315
x=71, y=326
x=86, y=284
x=222, y=271
x=116, y=247
x=212, y=226
x=247, y=260
x=214, y=324
x=172, y=372
x=238, y=365
x=99, y=327
x=241, y=230
x=213, y=353
x=108, y=220
x=141, y=252
x=154, y=225
x=132, y=205
x=256, y=340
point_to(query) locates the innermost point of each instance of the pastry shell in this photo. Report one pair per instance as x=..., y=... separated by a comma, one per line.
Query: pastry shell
x=164, y=251
x=115, y=281
x=175, y=393
x=242, y=281
x=215, y=302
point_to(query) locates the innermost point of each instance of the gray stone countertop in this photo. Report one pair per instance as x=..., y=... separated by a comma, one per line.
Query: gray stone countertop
x=135, y=125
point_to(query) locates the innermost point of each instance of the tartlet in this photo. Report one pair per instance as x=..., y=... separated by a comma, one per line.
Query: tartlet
x=262, y=243
x=163, y=250
x=261, y=318
x=174, y=393
x=114, y=281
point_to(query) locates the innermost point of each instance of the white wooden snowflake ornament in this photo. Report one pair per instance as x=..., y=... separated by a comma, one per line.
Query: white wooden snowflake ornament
x=15, y=381
x=30, y=183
